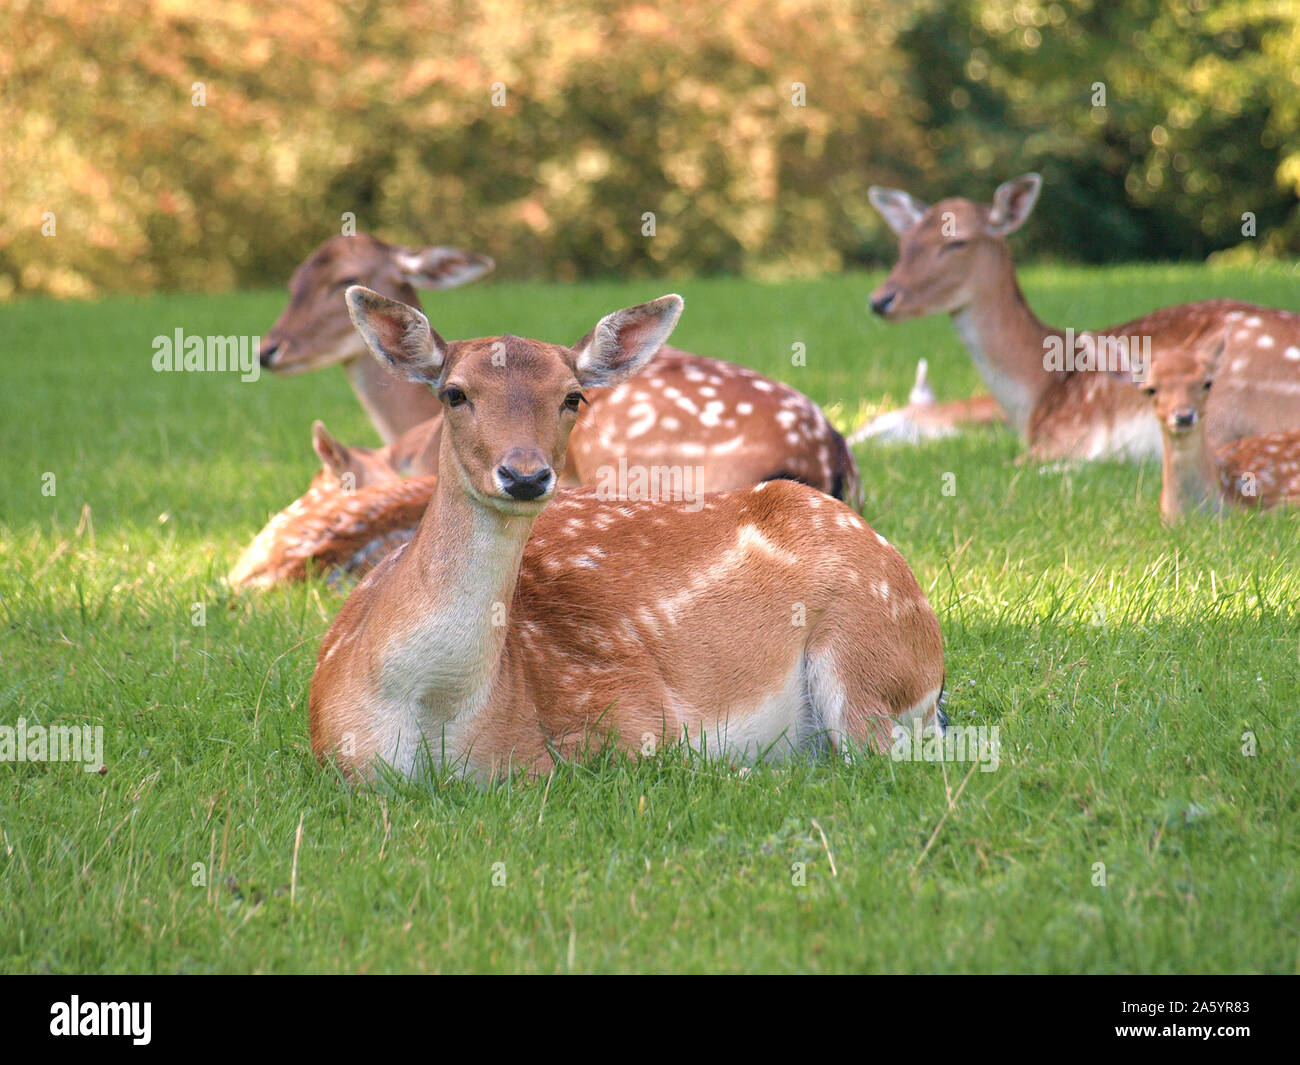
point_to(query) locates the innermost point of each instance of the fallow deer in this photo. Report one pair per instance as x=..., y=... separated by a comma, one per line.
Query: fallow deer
x=521, y=624
x=729, y=425
x=954, y=259
x=1255, y=471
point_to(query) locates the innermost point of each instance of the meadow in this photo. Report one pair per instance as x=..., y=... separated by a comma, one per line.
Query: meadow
x=1145, y=681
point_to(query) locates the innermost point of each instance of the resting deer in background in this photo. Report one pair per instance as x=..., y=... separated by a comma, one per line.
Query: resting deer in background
x=953, y=259
x=520, y=625
x=314, y=331
x=733, y=425
x=1255, y=471
x=925, y=419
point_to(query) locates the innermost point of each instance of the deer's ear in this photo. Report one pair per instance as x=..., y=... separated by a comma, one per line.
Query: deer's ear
x=399, y=336
x=623, y=342
x=440, y=267
x=332, y=454
x=1211, y=356
x=899, y=210
x=1012, y=203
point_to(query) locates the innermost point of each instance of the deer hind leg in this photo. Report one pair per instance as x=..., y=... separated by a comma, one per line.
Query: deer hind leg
x=850, y=707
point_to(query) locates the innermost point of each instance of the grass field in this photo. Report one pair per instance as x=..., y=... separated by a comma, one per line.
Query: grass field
x=1121, y=661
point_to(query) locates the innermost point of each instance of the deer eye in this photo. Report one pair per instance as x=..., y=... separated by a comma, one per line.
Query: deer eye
x=1207, y=385
x=1148, y=391
x=574, y=400
x=452, y=396
x=347, y=282
x=953, y=244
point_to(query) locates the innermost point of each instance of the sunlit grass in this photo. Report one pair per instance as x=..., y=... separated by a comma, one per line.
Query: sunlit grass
x=1126, y=664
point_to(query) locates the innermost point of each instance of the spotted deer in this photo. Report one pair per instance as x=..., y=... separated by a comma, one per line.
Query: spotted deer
x=954, y=259
x=521, y=624
x=727, y=424
x=1255, y=471
x=333, y=531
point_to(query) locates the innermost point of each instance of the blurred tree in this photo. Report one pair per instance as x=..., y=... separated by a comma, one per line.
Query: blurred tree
x=149, y=144
x=1157, y=124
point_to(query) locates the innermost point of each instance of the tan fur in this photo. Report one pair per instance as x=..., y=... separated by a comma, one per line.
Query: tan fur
x=954, y=259
x=510, y=630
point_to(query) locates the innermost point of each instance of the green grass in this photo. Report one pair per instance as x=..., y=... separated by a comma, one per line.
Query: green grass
x=1122, y=663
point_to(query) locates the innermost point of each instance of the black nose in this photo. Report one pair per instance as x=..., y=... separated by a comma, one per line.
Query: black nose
x=267, y=354
x=524, y=485
x=881, y=304
x=1185, y=418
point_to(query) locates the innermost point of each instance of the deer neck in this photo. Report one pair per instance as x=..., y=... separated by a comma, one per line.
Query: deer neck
x=1190, y=479
x=1006, y=342
x=464, y=565
x=394, y=406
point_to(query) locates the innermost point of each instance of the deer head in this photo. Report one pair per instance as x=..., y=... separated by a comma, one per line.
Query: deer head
x=315, y=331
x=946, y=251
x=509, y=403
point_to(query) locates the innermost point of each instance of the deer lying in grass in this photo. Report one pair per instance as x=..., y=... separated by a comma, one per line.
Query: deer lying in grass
x=332, y=531
x=519, y=625
x=733, y=426
x=1255, y=471
x=954, y=259
x=926, y=419
x=357, y=508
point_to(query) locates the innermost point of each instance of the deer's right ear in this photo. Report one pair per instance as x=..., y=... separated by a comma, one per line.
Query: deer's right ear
x=1012, y=203
x=623, y=342
x=896, y=207
x=399, y=336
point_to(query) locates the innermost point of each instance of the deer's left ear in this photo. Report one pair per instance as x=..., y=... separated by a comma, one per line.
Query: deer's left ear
x=1012, y=203
x=623, y=342
x=441, y=267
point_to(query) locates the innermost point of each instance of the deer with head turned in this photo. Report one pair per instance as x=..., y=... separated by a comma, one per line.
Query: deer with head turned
x=954, y=259
x=521, y=624
x=726, y=423
x=1255, y=471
